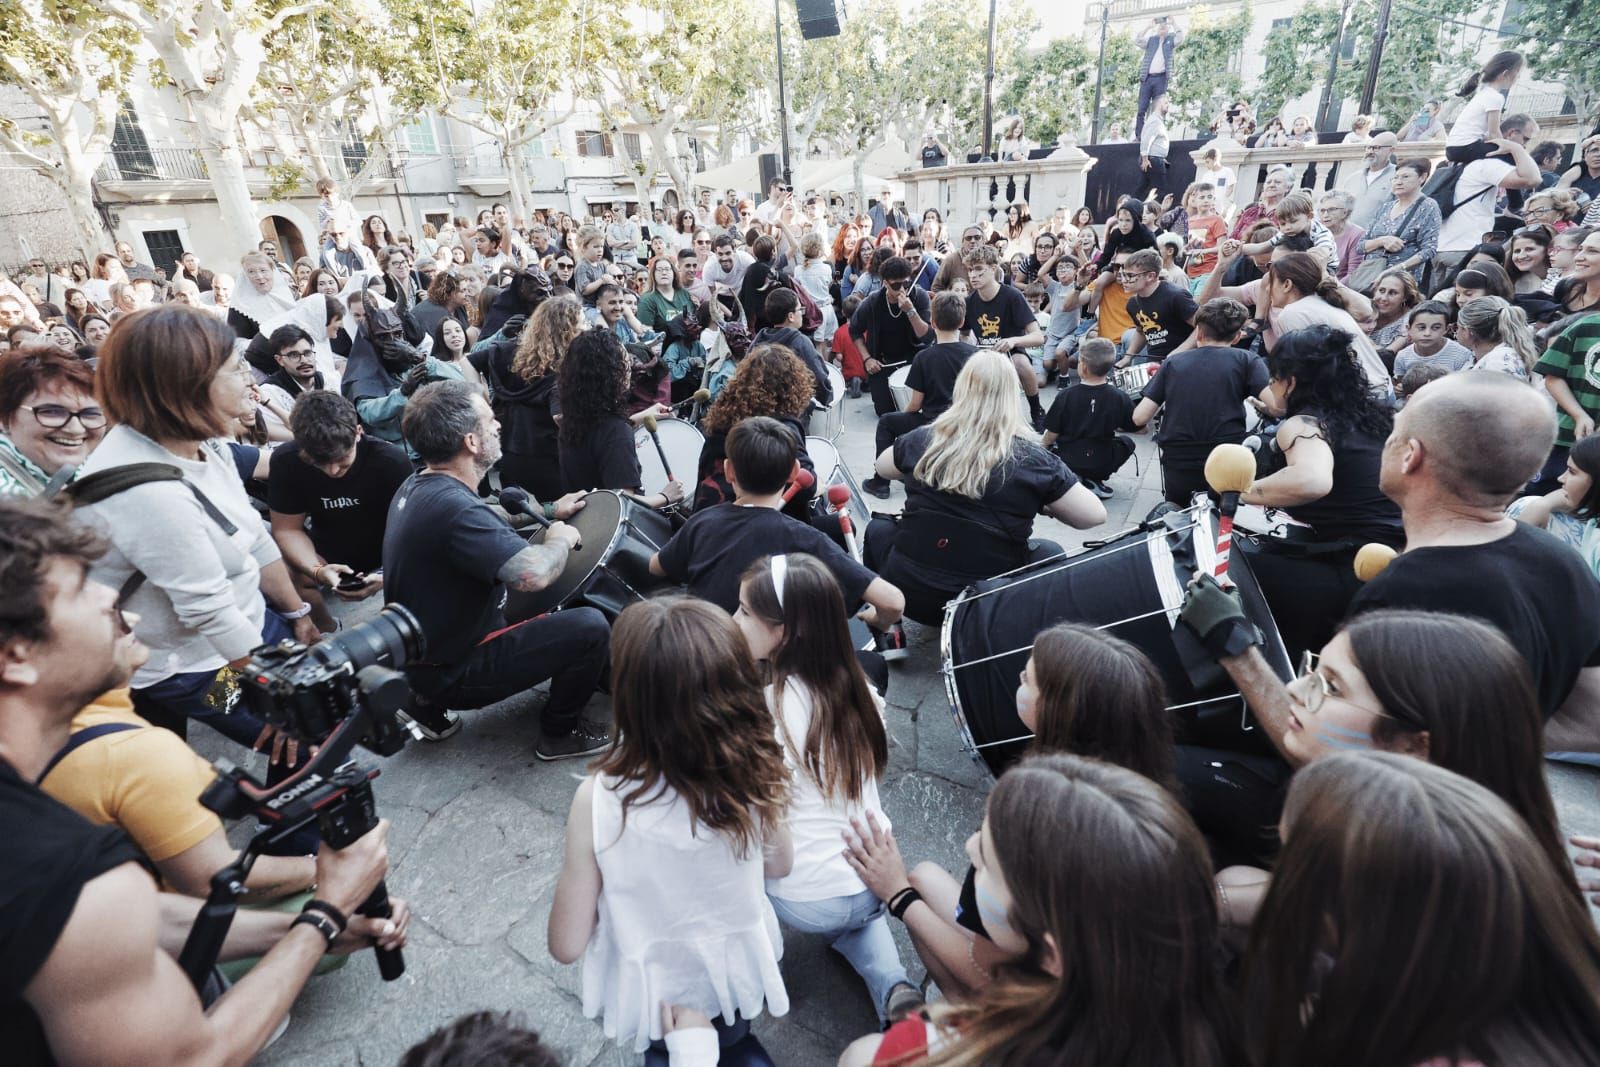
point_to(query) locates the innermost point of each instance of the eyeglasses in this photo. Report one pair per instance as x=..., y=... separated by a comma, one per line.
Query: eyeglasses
x=299, y=353
x=1133, y=273
x=563, y=266
x=55, y=416
x=1318, y=691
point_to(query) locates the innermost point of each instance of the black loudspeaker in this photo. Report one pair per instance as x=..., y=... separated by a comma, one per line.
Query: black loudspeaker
x=770, y=170
x=818, y=18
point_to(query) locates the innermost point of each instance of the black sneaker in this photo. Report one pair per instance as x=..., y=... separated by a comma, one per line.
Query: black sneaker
x=429, y=722
x=904, y=1000
x=855, y=388
x=1101, y=490
x=586, y=739
x=878, y=487
x=891, y=643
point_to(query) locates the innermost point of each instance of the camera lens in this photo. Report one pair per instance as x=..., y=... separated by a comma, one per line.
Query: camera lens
x=392, y=639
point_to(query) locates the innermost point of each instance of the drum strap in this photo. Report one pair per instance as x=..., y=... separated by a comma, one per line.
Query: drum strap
x=956, y=545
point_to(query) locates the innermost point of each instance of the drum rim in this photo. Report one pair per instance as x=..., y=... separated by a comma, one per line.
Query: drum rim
x=600, y=561
x=947, y=669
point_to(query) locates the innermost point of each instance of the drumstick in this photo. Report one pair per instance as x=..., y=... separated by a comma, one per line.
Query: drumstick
x=839, y=500
x=1371, y=559
x=516, y=501
x=803, y=480
x=1230, y=470
x=650, y=428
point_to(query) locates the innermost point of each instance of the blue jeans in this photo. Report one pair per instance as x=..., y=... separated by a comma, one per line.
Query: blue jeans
x=174, y=702
x=858, y=929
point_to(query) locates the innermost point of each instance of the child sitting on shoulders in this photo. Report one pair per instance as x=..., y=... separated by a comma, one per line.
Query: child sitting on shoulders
x=1296, y=218
x=1084, y=426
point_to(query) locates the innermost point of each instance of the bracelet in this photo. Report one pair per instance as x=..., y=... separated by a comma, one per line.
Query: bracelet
x=329, y=910
x=549, y=511
x=903, y=900
x=298, y=613
x=324, y=925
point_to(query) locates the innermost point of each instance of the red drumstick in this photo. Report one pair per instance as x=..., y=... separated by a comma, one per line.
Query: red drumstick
x=1230, y=470
x=839, y=500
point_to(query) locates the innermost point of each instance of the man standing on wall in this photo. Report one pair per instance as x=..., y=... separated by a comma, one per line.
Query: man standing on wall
x=1159, y=40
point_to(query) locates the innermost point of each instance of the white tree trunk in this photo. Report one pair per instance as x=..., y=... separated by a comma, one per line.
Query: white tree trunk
x=77, y=182
x=516, y=177
x=225, y=165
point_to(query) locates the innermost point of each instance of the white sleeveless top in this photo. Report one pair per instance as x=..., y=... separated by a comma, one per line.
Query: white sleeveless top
x=682, y=920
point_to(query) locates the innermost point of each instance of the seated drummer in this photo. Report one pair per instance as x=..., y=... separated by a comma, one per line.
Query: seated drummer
x=771, y=381
x=931, y=379
x=1332, y=440
x=975, y=478
x=596, y=432
x=449, y=557
x=715, y=546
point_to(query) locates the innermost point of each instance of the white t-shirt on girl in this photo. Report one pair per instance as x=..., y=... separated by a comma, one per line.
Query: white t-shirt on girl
x=820, y=871
x=1473, y=123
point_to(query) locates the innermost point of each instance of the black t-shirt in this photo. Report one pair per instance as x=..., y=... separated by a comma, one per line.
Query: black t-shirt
x=1163, y=317
x=1355, y=509
x=933, y=374
x=1530, y=586
x=932, y=156
x=347, y=514
x=1203, y=391
x=48, y=853
x=715, y=546
x=1007, y=315
x=604, y=458
x=1089, y=413
x=442, y=554
x=1017, y=491
x=888, y=330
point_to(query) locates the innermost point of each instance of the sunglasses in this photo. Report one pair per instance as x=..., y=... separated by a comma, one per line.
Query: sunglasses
x=896, y=286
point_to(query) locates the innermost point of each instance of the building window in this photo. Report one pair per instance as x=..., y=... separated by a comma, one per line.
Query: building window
x=129, y=147
x=631, y=147
x=1282, y=24
x=165, y=249
x=419, y=136
x=594, y=143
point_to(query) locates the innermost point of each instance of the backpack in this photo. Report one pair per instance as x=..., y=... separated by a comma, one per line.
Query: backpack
x=810, y=314
x=1442, y=188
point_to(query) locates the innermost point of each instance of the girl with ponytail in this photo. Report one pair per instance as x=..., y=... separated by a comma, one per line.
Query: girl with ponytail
x=1477, y=127
x=1499, y=336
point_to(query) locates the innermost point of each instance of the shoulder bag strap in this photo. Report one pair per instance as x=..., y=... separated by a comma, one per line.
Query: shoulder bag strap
x=81, y=738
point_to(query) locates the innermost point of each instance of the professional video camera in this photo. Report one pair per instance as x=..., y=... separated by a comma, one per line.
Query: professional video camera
x=342, y=692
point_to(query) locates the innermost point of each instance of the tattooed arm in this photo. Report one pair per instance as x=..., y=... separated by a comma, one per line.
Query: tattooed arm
x=538, y=565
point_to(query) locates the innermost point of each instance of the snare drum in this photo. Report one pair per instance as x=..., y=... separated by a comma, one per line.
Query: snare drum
x=1132, y=380
x=610, y=569
x=828, y=423
x=682, y=444
x=898, y=386
x=1133, y=587
x=831, y=470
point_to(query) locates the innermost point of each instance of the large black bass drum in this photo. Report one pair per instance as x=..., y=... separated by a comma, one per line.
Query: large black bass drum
x=1131, y=586
x=610, y=569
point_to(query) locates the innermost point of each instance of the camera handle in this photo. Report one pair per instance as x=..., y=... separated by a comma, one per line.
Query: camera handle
x=329, y=790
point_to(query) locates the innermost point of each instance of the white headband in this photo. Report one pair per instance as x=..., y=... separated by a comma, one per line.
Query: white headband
x=780, y=568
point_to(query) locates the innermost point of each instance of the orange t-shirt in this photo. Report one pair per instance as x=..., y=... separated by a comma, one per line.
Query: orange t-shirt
x=1215, y=230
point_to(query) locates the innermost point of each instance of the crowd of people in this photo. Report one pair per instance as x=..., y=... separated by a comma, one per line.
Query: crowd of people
x=192, y=466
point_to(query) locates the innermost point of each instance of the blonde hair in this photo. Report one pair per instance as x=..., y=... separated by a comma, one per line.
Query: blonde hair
x=1294, y=205
x=587, y=235
x=979, y=431
x=1494, y=319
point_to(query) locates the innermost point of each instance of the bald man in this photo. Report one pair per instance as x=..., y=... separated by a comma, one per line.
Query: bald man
x=1460, y=451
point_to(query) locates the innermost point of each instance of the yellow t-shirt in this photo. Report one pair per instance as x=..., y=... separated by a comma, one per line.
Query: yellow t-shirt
x=1112, y=314
x=148, y=781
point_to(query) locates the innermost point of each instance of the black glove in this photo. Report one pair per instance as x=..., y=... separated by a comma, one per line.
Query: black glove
x=414, y=379
x=1216, y=616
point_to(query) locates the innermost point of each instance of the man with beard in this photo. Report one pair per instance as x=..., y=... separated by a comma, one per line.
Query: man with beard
x=383, y=371
x=296, y=355
x=450, y=557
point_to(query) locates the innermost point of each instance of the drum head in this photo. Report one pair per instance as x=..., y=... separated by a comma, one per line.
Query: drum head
x=1131, y=588
x=682, y=444
x=598, y=524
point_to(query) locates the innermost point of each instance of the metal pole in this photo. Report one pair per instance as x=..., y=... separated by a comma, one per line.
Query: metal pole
x=1326, y=105
x=1369, y=88
x=783, y=100
x=988, y=92
x=1100, y=74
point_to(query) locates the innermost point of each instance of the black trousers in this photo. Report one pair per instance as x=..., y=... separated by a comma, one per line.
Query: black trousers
x=1150, y=87
x=1181, y=481
x=883, y=401
x=1309, y=597
x=1155, y=179
x=896, y=424
x=571, y=648
x=926, y=594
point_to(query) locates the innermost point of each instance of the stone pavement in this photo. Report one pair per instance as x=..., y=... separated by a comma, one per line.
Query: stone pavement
x=476, y=844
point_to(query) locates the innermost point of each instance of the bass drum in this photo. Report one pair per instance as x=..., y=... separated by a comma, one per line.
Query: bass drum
x=898, y=386
x=827, y=421
x=610, y=569
x=682, y=444
x=1132, y=587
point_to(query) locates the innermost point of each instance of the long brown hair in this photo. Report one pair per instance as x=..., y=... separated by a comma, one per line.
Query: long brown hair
x=1451, y=936
x=554, y=325
x=695, y=725
x=1462, y=681
x=846, y=742
x=1109, y=867
x=770, y=380
x=1302, y=271
x=1100, y=696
